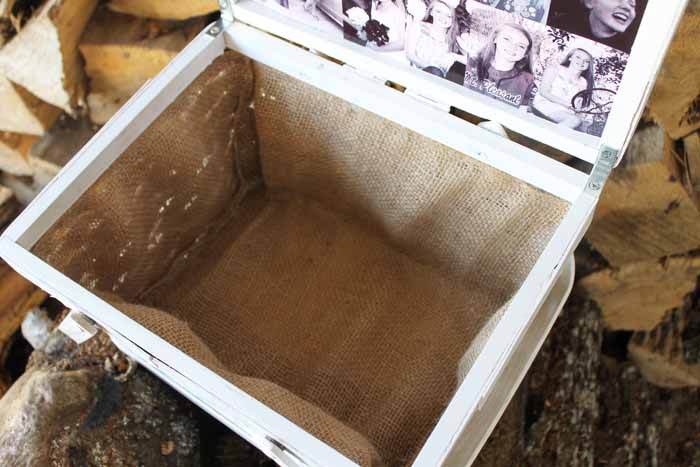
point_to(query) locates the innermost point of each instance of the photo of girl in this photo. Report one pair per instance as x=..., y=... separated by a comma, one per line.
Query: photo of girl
x=560, y=83
x=610, y=22
x=534, y=10
x=502, y=68
x=559, y=79
x=431, y=41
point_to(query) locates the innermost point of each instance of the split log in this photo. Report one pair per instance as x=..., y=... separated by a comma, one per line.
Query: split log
x=669, y=355
x=28, y=114
x=122, y=52
x=165, y=9
x=14, y=153
x=644, y=211
x=675, y=103
x=638, y=295
x=43, y=57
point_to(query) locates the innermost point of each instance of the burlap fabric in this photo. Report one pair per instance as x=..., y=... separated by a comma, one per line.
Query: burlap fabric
x=330, y=263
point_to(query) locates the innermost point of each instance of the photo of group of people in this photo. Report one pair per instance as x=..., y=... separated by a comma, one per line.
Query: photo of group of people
x=559, y=61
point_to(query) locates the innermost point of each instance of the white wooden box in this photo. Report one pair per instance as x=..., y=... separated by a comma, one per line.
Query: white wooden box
x=495, y=360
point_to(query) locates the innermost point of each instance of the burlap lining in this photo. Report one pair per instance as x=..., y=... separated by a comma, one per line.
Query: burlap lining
x=330, y=263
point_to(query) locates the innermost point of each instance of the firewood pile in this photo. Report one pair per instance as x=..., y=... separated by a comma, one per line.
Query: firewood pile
x=615, y=384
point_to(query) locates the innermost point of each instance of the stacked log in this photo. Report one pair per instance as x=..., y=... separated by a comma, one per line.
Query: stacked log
x=647, y=224
x=82, y=60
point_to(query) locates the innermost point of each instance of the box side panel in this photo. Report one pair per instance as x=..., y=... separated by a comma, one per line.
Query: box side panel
x=481, y=424
x=478, y=143
x=509, y=332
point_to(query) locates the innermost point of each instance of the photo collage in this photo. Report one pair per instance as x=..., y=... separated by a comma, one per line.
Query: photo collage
x=560, y=61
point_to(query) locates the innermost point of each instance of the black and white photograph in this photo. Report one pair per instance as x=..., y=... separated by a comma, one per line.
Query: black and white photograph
x=610, y=22
x=498, y=55
x=534, y=10
x=492, y=48
x=323, y=15
x=578, y=81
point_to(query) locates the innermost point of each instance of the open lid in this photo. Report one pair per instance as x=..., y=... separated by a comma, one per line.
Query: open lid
x=572, y=74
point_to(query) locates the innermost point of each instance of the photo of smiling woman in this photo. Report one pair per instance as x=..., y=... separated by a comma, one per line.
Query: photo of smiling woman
x=431, y=43
x=560, y=83
x=610, y=22
x=503, y=67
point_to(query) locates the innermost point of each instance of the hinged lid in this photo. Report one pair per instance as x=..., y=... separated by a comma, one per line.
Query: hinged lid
x=573, y=74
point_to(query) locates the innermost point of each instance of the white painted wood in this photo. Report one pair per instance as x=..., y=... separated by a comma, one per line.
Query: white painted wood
x=262, y=17
x=124, y=127
x=502, y=344
x=655, y=33
x=502, y=357
x=243, y=413
x=659, y=23
x=478, y=143
x=478, y=428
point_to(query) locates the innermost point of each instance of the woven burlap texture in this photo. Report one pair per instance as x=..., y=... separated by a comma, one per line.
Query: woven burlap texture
x=329, y=262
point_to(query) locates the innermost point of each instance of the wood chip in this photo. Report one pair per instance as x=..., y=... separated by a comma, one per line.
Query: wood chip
x=638, y=295
x=675, y=103
x=14, y=153
x=668, y=355
x=645, y=211
x=29, y=114
x=167, y=448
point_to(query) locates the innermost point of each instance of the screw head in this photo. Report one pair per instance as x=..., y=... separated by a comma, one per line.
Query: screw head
x=594, y=186
x=214, y=30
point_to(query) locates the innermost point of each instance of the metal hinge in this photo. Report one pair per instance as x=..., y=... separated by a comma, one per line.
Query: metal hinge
x=226, y=8
x=607, y=157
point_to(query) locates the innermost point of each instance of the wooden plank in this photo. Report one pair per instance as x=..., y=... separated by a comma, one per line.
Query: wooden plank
x=122, y=52
x=644, y=211
x=638, y=295
x=165, y=9
x=668, y=356
x=43, y=57
x=675, y=103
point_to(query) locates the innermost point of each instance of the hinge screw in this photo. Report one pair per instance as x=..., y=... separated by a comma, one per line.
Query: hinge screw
x=594, y=186
x=214, y=30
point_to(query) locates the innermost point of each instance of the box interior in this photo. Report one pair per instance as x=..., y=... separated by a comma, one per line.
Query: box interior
x=327, y=261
